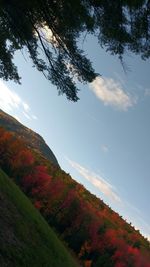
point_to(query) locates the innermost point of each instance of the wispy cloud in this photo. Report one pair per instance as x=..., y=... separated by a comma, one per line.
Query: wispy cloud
x=134, y=215
x=47, y=35
x=11, y=102
x=111, y=93
x=126, y=209
x=34, y=117
x=100, y=183
x=104, y=148
x=26, y=115
x=26, y=107
x=147, y=92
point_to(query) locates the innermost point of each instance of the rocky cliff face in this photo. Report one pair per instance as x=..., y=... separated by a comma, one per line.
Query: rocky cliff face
x=32, y=139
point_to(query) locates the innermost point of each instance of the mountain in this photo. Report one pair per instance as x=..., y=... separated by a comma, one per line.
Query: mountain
x=25, y=237
x=32, y=139
x=98, y=236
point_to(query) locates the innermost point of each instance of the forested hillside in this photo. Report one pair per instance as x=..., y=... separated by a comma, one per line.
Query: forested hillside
x=97, y=235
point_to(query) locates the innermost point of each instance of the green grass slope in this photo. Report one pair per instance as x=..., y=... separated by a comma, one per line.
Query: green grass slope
x=26, y=240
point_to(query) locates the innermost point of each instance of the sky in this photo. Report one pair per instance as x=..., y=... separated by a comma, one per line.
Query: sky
x=103, y=140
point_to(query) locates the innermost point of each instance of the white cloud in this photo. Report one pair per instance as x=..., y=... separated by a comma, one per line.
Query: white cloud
x=104, y=148
x=47, y=35
x=34, y=117
x=111, y=93
x=26, y=115
x=11, y=102
x=100, y=183
x=26, y=107
x=147, y=92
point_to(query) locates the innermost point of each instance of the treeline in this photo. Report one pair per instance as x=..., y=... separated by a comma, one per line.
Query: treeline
x=97, y=235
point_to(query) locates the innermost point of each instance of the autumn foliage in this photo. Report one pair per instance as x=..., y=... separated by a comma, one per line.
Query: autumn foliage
x=98, y=235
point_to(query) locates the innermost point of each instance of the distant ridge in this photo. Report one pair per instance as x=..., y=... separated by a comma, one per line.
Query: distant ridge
x=32, y=139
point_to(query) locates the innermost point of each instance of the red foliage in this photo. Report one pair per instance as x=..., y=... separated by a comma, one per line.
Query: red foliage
x=36, y=183
x=38, y=204
x=68, y=199
x=93, y=232
x=128, y=255
x=111, y=237
x=13, y=153
x=120, y=264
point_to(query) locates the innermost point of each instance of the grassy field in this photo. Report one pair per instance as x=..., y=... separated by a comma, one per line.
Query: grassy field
x=26, y=240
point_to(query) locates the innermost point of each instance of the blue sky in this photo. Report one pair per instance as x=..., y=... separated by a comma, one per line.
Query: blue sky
x=103, y=139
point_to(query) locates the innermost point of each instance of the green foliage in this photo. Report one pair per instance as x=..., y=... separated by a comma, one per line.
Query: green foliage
x=118, y=25
x=104, y=261
x=26, y=239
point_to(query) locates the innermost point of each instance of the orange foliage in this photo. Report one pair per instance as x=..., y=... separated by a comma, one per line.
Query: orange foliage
x=87, y=263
